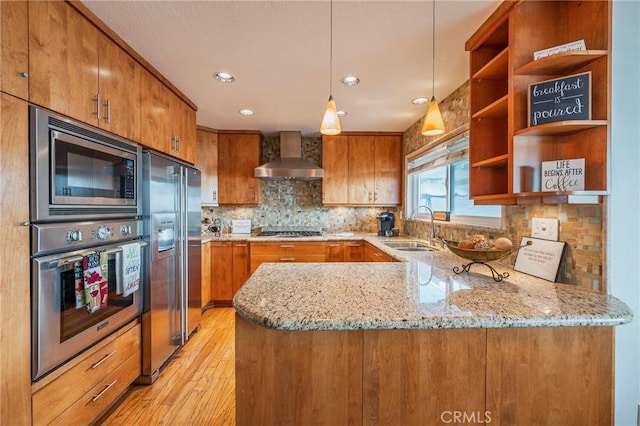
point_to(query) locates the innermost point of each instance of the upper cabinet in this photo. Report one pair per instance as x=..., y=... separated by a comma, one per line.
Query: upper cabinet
x=207, y=161
x=362, y=169
x=506, y=152
x=238, y=156
x=14, y=48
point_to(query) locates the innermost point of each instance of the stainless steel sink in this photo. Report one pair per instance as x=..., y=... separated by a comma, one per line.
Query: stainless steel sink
x=408, y=246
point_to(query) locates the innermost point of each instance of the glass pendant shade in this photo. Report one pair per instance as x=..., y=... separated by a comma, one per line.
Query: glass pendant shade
x=433, y=124
x=330, y=122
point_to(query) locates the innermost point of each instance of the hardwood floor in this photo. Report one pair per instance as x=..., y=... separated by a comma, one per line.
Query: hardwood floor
x=197, y=387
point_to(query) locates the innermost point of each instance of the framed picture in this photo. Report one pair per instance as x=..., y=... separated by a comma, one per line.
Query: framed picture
x=560, y=99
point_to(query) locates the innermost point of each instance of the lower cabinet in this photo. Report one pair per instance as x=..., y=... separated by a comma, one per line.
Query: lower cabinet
x=286, y=251
x=229, y=269
x=372, y=254
x=81, y=390
x=205, y=274
x=344, y=251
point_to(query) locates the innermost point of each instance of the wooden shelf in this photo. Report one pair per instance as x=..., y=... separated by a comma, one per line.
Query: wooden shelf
x=560, y=128
x=493, y=199
x=495, y=69
x=497, y=109
x=561, y=63
x=499, y=161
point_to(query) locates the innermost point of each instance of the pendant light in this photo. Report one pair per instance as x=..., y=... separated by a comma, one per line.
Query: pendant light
x=433, y=124
x=330, y=122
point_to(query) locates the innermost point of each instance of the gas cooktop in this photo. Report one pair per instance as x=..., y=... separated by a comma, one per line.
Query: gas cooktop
x=290, y=233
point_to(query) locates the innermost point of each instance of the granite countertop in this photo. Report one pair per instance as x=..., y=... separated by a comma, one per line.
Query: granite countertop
x=419, y=292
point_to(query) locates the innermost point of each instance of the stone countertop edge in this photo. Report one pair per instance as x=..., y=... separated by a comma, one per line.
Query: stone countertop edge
x=397, y=295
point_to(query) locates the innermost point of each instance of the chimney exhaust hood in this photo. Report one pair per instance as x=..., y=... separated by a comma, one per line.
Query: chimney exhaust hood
x=290, y=165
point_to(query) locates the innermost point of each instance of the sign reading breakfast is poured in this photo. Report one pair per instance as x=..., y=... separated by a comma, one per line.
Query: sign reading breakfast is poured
x=560, y=99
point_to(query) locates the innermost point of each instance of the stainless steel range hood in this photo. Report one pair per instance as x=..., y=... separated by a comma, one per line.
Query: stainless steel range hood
x=290, y=165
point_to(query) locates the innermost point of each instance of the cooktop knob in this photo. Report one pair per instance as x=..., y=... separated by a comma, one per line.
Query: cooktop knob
x=125, y=229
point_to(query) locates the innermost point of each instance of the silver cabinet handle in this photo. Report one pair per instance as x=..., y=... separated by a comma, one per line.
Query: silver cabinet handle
x=215, y=195
x=179, y=143
x=287, y=246
x=23, y=74
x=106, y=388
x=107, y=105
x=98, y=106
x=287, y=259
x=369, y=196
x=240, y=245
x=103, y=359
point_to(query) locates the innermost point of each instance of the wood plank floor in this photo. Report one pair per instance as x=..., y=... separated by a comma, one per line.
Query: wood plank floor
x=197, y=387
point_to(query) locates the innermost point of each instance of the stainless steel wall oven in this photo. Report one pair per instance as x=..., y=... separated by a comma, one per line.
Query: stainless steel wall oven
x=85, y=206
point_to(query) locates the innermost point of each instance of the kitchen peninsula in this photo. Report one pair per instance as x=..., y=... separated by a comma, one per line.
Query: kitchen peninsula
x=411, y=342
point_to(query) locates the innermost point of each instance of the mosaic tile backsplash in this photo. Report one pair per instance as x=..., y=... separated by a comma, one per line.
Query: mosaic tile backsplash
x=299, y=204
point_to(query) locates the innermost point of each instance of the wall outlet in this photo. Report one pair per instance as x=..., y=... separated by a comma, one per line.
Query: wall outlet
x=547, y=229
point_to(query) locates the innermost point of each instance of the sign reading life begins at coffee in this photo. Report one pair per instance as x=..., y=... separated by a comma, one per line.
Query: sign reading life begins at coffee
x=560, y=99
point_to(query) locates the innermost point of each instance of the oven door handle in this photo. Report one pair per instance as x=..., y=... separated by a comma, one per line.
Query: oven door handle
x=58, y=263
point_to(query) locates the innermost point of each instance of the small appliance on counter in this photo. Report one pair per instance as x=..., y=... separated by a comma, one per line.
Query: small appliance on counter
x=386, y=223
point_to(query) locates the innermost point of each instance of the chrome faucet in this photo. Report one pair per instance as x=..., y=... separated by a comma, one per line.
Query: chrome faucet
x=431, y=230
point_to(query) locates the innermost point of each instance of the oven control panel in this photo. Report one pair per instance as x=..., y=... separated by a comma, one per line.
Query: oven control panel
x=50, y=237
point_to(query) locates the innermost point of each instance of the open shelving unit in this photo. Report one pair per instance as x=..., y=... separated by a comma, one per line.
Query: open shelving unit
x=502, y=144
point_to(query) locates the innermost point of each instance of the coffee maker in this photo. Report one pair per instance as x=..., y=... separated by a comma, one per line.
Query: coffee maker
x=386, y=222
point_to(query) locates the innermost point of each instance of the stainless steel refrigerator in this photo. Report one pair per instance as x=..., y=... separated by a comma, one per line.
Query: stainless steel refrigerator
x=171, y=307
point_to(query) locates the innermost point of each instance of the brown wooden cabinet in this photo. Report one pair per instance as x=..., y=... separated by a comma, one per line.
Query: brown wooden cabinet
x=372, y=254
x=344, y=251
x=15, y=364
x=74, y=69
x=183, y=129
x=82, y=389
x=286, y=251
x=238, y=156
x=503, y=148
x=205, y=274
x=362, y=169
x=229, y=269
x=207, y=161
x=14, y=48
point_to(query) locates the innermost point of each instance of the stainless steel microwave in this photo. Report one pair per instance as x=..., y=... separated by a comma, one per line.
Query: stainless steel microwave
x=78, y=172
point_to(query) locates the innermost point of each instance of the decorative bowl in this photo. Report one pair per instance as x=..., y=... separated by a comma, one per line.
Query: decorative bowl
x=476, y=255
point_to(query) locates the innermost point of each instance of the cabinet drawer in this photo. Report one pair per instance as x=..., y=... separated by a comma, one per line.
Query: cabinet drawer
x=96, y=364
x=287, y=248
x=97, y=399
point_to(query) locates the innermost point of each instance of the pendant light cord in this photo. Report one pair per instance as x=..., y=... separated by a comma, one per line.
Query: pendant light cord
x=331, y=49
x=433, y=52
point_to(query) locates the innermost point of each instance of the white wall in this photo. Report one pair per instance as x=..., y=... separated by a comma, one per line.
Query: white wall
x=624, y=204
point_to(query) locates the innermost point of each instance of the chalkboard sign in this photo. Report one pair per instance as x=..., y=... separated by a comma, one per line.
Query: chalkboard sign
x=560, y=99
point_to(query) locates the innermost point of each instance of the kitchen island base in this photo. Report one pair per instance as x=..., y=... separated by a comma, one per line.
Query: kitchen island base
x=497, y=376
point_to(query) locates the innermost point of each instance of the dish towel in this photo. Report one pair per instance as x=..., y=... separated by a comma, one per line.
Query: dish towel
x=128, y=265
x=93, y=279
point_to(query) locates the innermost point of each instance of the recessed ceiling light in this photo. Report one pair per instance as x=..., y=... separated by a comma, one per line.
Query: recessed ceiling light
x=420, y=101
x=350, y=80
x=246, y=112
x=224, y=77
x=342, y=113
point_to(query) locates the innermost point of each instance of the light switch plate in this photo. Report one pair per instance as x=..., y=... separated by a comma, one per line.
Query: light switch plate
x=546, y=229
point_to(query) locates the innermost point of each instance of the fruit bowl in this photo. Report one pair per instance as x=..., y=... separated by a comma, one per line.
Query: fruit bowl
x=481, y=255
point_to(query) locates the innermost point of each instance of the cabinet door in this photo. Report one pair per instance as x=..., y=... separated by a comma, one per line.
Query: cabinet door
x=63, y=60
x=334, y=252
x=205, y=274
x=221, y=271
x=14, y=48
x=187, y=131
x=372, y=254
x=335, y=163
x=241, y=262
x=388, y=170
x=119, y=88
x=238, y=156
x=155, y=114
x=354, y=251
x=15, y=368
x=361, y=170
x=207, y=161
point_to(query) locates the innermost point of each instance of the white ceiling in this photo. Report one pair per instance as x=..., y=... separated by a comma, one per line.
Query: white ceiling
x=279, y=53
